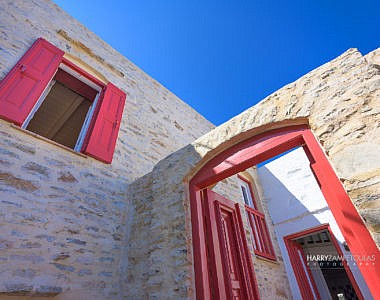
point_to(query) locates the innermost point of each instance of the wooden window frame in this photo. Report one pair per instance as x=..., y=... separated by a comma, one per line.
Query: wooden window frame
x=87, y=79
x=262, y=147
x=250, y=188
x=27, y=84
x=261, y=238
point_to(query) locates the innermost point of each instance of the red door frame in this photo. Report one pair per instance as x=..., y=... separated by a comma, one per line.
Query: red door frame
x=258, y=149
x=220, y=277
x=288, y=243
x=304, y=280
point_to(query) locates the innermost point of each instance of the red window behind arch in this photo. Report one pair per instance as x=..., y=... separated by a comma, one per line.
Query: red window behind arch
x=262, y=242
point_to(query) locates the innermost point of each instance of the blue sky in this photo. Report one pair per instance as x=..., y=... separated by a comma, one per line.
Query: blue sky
x=222, y=57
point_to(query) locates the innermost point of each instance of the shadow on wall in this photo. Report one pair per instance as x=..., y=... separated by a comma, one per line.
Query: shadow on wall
x=290, y=188
x=159, y=249
x=296, y=203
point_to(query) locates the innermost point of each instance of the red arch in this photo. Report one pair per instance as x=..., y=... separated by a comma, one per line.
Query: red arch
x=258, y=149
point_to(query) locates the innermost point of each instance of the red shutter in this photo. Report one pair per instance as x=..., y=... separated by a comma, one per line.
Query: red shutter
x=101, y=143
x=24, y=84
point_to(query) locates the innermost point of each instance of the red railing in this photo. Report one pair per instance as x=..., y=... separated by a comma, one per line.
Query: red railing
x=262, y=242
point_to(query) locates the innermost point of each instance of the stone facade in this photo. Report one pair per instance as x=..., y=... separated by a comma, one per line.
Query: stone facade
x=65, y=217
x=339, y=101
x=75, y=228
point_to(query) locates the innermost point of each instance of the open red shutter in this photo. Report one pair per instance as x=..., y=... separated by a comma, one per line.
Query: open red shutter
x=24, y=84
x=101, y=143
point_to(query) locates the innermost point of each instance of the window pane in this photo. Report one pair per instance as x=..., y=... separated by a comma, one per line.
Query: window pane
x=61, y=115
x=246, y=193
x=245, y=196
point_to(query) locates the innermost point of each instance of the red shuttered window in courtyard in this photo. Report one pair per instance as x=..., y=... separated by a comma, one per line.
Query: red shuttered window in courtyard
x=50, y=96
x=261, y=239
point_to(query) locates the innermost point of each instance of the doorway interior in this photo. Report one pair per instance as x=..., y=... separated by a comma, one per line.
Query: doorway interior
x=319, y=266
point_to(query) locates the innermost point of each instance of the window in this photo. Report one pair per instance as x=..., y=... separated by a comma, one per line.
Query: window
x=63, y=114
x=246, y=191
x=50, y=96
x=261, y=239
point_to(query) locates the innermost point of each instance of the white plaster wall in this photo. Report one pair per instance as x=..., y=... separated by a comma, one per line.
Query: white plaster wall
x=296, y=203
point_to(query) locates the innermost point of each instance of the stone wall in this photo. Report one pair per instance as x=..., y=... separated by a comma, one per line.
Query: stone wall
x=73, y=226
x=340, y=102
x=65, y=217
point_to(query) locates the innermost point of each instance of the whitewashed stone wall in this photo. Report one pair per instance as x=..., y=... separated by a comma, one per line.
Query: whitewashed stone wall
x=340, y=102
x=296, y=203
x=65, y=218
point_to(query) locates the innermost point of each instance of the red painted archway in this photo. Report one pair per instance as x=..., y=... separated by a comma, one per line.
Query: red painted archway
x=258, y=149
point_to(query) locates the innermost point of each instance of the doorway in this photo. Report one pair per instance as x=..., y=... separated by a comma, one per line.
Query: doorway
x=228, y=250
x=319, y=265
x=251, y=152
